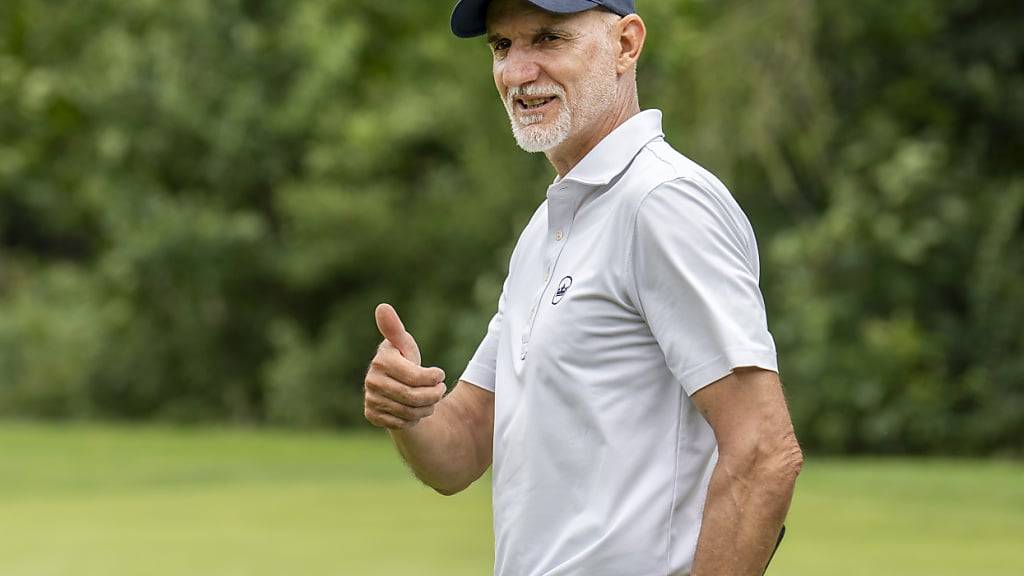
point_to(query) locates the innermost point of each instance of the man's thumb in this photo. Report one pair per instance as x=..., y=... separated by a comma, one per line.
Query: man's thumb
x=391, y=327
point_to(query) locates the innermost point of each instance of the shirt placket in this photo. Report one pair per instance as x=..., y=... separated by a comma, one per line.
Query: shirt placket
x=562, y=205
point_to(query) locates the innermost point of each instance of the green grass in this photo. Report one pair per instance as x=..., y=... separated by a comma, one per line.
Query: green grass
x=87, y=500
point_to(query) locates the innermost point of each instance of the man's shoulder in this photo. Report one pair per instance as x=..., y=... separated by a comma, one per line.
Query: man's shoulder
x=659, y=164
x=664, y=189
x=534, y=227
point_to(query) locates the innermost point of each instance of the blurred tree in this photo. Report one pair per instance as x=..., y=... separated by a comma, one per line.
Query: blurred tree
x=893, y=151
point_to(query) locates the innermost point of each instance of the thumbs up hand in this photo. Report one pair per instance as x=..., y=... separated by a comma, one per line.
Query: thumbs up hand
x=393, y=331
x=398, y=391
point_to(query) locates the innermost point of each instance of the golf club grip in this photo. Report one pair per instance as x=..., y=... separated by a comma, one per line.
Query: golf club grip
x=782, y=532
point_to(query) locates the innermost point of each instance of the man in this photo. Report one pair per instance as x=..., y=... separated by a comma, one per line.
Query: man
x=626, y=388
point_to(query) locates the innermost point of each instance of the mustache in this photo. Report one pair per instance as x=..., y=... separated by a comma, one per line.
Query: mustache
x=533, y=90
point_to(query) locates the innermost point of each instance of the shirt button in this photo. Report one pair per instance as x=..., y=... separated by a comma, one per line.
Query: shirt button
x=547, y=276
x=559, y=235
x=533, y=312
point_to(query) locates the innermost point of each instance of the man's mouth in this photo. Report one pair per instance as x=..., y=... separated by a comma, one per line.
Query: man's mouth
x=534, y=103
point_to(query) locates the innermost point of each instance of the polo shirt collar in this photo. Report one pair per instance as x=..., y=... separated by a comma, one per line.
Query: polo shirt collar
x=616, y=151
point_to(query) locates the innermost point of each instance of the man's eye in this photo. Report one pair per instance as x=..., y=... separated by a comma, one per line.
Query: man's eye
x=502, y=45
x=550, y=38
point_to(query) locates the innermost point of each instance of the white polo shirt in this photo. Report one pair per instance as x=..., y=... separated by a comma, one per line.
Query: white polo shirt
x=633, y=286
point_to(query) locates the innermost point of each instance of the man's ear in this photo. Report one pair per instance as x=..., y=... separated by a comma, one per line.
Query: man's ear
x=631, y=33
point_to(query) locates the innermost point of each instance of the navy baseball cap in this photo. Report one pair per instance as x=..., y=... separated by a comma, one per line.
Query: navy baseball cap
x=469, y=18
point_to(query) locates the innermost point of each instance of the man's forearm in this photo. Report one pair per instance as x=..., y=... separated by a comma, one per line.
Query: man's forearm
x=441, y=450
x=744, y=511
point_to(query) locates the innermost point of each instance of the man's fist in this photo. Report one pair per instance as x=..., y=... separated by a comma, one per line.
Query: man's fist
x=398, y=391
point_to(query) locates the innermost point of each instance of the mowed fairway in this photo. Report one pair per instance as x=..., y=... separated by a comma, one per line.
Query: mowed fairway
x=87, y=500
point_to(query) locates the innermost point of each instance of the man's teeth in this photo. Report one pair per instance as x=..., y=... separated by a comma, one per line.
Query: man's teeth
x=534, y=102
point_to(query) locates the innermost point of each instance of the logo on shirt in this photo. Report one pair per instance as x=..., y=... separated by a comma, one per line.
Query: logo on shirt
x=563, y=287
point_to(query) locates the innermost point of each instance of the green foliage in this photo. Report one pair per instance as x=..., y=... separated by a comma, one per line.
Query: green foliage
x=902, y=295
x=201, y=202
x=51, y=335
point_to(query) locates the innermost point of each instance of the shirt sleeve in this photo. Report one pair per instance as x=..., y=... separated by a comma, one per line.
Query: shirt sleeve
x=695, y=271
x=482, y=367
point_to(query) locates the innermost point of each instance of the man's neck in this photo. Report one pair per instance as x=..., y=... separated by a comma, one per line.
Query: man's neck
x=565, y=157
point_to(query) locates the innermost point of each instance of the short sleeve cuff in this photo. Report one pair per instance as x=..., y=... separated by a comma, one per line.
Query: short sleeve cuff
x=479, y=375
x=713, y=370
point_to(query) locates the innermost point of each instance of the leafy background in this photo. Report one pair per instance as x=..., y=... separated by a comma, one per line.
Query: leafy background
x=201, y=202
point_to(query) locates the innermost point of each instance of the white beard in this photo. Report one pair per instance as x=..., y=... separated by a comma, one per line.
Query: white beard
x=595, y=97
x=530, y=132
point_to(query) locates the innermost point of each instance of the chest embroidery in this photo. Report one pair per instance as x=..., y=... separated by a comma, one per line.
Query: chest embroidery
x=563, y=286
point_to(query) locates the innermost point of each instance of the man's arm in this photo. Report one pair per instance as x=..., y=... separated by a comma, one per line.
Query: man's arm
x=446, y=440
x=752, y=484
x=450, y=449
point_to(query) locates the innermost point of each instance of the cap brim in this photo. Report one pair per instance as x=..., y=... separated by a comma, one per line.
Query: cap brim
x=469, y=18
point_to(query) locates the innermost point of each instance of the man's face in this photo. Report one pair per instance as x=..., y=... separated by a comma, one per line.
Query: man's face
x=555, y=73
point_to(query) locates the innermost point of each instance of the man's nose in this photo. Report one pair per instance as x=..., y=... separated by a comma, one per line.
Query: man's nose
x=520, y=68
